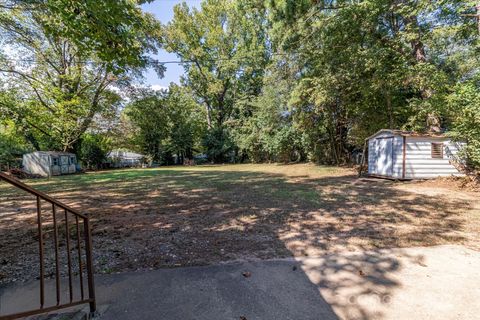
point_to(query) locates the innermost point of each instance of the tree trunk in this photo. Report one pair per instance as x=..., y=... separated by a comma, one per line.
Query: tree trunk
x=30, y=138
x=388, y=99
x=478, y=17
x=433, y=122
x=418, y=50
x=209, y=116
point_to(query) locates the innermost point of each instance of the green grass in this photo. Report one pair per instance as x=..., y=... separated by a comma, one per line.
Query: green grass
x=272, y=179
x=173, y=216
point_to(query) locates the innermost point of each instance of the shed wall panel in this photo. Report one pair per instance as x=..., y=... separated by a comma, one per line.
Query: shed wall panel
x=397, y=157
x=419, y=161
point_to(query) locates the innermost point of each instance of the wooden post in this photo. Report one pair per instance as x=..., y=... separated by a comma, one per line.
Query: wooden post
x=404, y=157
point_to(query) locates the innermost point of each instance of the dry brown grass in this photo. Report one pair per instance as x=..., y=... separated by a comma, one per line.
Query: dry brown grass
x=200, y=215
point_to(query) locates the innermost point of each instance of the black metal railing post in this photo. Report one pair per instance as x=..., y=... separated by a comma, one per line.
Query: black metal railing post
x=91, y=284
x=87, y=237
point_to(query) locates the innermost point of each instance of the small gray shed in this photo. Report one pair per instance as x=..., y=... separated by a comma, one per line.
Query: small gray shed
x=411, y=155
x=50, y=163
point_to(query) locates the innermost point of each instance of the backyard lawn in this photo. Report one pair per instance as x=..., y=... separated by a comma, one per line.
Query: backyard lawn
x=179, y=216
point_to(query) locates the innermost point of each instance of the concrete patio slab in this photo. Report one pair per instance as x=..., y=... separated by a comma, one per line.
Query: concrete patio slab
x=440, y=282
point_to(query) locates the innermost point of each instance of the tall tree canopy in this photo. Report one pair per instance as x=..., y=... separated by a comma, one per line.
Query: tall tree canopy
x=265, y=80
x=224, y=47
x=53, y=89
x=372, y=64
x=165, y=123
x=118, y=32
x=59, y=60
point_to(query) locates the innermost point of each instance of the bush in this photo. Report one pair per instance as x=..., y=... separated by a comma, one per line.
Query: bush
x=464, y=105
x=12, y=147
x=219, y=145
x=92, y=151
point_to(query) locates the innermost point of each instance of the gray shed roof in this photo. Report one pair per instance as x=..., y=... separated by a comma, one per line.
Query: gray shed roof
x=53, y=153
x=404, y=133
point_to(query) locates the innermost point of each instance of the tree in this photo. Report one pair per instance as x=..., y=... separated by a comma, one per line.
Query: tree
x=464, y=108
x=168, y=123
x=59, y=89
x=369, y=65
x=267, y=132
x=93, y=150
x=118, y=32
x=276, y=80
x=186, y=123
x=148, y=115
x=224, y=48
x=12, y=145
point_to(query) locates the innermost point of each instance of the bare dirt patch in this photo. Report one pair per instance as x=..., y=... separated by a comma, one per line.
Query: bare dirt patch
x=167, y=217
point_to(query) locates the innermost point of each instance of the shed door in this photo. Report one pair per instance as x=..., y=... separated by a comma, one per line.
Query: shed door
x=384, y=156
x=64, y=164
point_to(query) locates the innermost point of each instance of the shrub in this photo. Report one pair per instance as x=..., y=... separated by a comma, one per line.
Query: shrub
x=464, y=105
x=92, y=151
x=219, y=145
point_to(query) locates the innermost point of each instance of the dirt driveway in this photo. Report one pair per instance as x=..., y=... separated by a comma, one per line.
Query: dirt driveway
x=181, y=216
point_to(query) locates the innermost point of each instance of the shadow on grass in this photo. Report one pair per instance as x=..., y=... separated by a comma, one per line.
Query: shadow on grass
x=148, y=219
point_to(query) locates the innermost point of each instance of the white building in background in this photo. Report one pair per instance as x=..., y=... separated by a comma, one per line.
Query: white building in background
x=410, y=155
x=124, y=159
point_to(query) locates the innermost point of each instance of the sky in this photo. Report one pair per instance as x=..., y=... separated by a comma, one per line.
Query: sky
x=163, y=11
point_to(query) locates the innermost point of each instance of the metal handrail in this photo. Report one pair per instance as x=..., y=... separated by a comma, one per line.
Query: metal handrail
x=88, y=253
x=17, y=183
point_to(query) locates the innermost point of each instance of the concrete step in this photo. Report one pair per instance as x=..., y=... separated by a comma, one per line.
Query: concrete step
x=75, y=315
x=83, y=314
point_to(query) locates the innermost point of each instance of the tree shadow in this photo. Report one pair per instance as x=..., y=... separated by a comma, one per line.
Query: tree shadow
x=153, y=219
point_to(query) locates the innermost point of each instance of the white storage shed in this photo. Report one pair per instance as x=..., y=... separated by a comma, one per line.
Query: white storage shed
x=49, y=163
x=410, y=155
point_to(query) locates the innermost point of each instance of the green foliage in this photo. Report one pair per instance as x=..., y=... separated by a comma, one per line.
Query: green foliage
x=264, y=130
x=219, y=145
x=147, y=112
x=186, y=122
x=265, y=80
x=369, y=65
x=168, y=123
x=12, y=145
x=289, y=80
x=225, y=44
x=56, y=95
x=118, y=32
x=93, y=150
x=464, y=107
